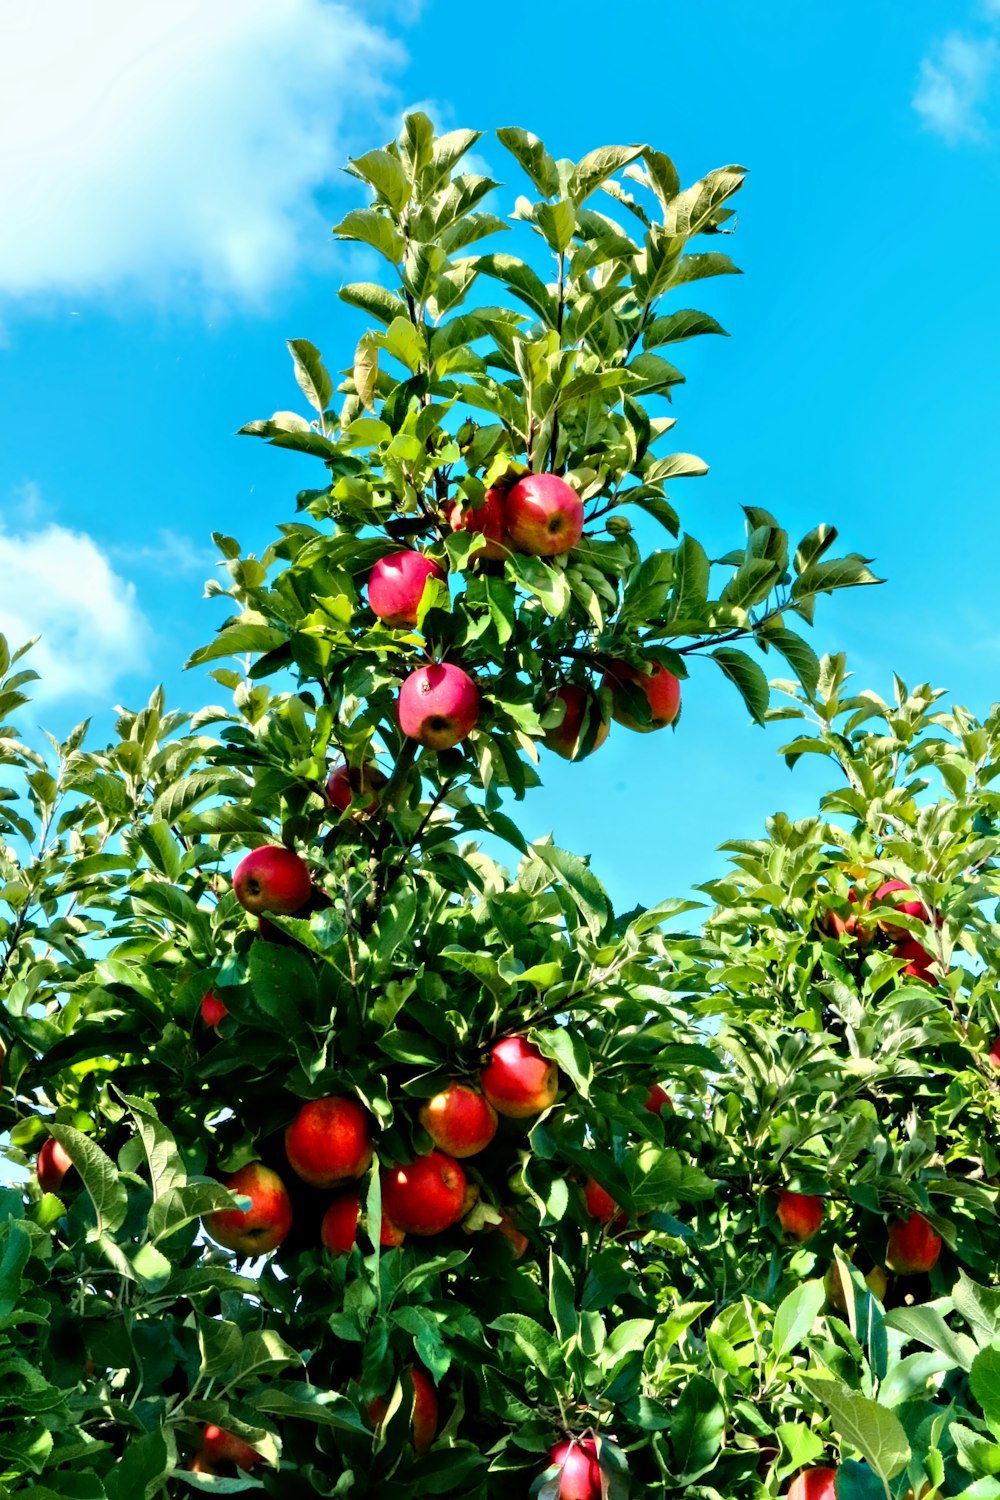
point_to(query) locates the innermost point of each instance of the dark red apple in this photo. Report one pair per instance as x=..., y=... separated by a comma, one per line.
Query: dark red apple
x=918, y=961
x=438, y=706
x=359, y=785
x=424, y=1417
x=813, y=1484
x=800, y=1214
x=212, y=1009
x=580, y=1476
x=264, y=1225
x=329, y=1142
x=544, y=515
x=272, y=878
x=661, y=688
x=221, y=1447
x=582, y=730
x=600, y=1205
x=53, y=1163
x=426, y=1195
x=890, y=894
x=396, y=586
x=339, y=1229
x=913, y=1247
x=459, y=1120
x=487, y=518
x=657, y=1100
x=518, y=1081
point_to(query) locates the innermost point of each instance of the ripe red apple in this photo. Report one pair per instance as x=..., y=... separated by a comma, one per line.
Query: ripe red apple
x=488, y=518
x=565, y=738
x=657, y=1100
x=221, y=1447
x=438, y=706
x=272, y=878
x=600, y=1205
x=661, y=688
x=396, y=586
x=459, y=1120
x=994, y=1053
x=424, y=1417
x=580, y=1477
x=339, y=1229
x=800, y=1214
x=358, y=784
x=518, y=1081
x=426, y=1195
x=264, y=1224
x=329, y=1142
x=918, y=961
x=813, y=1484
x=883, y=897
x=212, y=1009
x=913, y=1246
x=53, y=1163
x=518, y=1242
x=544, y=515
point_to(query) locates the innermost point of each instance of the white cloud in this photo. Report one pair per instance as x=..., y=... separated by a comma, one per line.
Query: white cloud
x=170, y=553
x=58, y=584
x=955, y=84
x=156, y=144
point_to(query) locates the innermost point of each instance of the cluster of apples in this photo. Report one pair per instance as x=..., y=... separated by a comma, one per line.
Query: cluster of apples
x=902, y=897
x=912, y=1247
x=438, y=707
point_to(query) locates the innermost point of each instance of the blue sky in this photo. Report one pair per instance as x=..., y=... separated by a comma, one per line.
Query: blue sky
x=169, y=177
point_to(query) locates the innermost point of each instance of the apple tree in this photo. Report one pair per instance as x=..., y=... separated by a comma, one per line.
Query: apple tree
x=266, y=980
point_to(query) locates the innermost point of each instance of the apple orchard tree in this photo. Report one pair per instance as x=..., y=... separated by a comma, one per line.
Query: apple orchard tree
x=367, y=1168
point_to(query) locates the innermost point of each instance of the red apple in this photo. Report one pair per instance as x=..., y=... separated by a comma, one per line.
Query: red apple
x=459, y=1120
x=569, y=738
x=329, y=1142
x=600, y=1205
x=339, y=1229
x=994, y=1054
x=396, y=586
x=426, y=1195
x=813, y=1484
x=518, y=1081
x=580, y=1477
x=800, y=1214
x=358, y=784
x=264, y=1224
x=212, y=1009
x=914, y=908
x=913, y=1246
x=272, y=878
x=544, y=515
x=54, y=1162
x=662, y=692
x=488, y=518
x=657, y=1100
x=424, y=1417
x=438, y=706
x=518, y=1242
x=221, y=1447
x=918, y=961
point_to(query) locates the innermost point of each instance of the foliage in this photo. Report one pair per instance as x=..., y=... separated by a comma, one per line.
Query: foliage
x=697, y=1346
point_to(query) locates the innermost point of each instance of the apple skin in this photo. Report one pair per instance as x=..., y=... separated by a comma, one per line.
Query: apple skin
x=339, y=1229
x=438, y=706
x=265, y=1223
x=460, y=1121
x=396, y=585
x=600, y=1205
x=53, y=1163
x=517, y=1241
x=272, y=878
x=913, y=1246
x=329, y=1142
x=657, y=1100
x=918, y=961
x=426, y=1195
x=212, y=1009
x=994, y=1054
x=800, y=1214
x=814, y=1484
x=221, y=1447
x=544, y=515
x=662, y=690
x=564, y=738
x=580, y=1472
x=489, y=519
x=518, y=1081
x=914, y=908
x=360, y=784
x=424, y=1417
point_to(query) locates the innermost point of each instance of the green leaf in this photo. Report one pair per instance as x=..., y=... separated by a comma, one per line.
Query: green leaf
x=795, y=1317
x=696, y=267
x=369, y=227
x=263, y=1352
x=984, y=1379
x=523, y=282
x=874, y=1431
x=538, y=1346
x=696, y=1431
x=142, y=1468
x=979, y=1306
x=533, y=157
x=597, y=166
x=928, y=1326
x=311, y=374
x=166, y=1170
x=588, y=894
x=375, y=300
x=386, y=175
x=99, y=1176
x=307, y=1403
x=799, y=655
x=685, y=324
x=572, y=1054
x=748, y=678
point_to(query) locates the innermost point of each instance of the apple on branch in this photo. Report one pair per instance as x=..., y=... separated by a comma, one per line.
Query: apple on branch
x=396, y=587
x=581, y=730
x=579, y=1469
x=329, y=1142
x=212, y=1009
x=426, y=1195
x=459, y=1120
x=661, y=689
x=54, y=1161
x=799, y=1214
x=424, y=1415
x=359, y=785
x=261, y=1227
x=221, y=1447
x=914, y=1246
x=339, y=1229
x=544, y=515
x=438, y=706
x=814, y=1484
x=518, y=1081
x=272, y=878
x=487, y=519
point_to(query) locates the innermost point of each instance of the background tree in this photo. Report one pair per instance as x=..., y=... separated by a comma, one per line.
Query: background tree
x=605, y=1273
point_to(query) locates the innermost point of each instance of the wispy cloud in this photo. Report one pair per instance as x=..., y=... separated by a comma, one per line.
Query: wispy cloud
x=58, y=584
x=175, y=146
x=955, y=83
x=170, y=553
